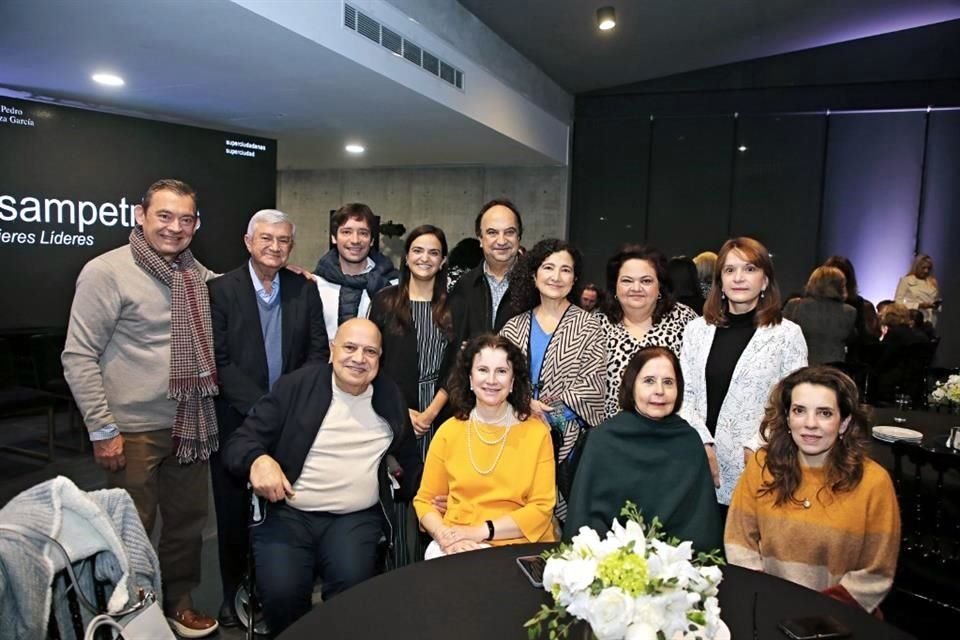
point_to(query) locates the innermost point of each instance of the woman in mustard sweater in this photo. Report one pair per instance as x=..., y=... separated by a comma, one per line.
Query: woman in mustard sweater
x=492, y=461
x=810, y=506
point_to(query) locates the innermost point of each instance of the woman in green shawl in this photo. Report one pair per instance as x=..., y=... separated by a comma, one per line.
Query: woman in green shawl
x=649, y=455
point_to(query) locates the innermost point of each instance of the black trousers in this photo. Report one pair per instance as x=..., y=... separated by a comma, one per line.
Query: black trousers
x=292, y=548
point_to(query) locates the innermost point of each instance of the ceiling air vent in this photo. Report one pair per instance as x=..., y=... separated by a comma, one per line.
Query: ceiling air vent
x=364, y=25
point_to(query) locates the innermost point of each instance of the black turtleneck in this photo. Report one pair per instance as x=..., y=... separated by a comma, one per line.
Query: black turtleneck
x=728, y=344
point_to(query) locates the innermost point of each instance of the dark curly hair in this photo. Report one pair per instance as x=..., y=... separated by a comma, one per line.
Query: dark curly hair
x=462, y=399
x=665, y=304
x=524, y=293
x=844, y=463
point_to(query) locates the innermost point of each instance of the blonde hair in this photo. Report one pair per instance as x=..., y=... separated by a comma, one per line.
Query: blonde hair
x=706, y=262
x=895, y=314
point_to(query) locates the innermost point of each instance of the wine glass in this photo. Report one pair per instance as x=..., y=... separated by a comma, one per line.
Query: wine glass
x=902, y=401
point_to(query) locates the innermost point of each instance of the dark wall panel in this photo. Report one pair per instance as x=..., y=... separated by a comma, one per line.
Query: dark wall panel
x=872, y=195
x=690, y=184
x=940, y=225
x=778, y=179
x=609, y=189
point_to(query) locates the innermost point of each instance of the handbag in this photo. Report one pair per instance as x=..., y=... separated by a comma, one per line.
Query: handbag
x=144, y=620
x=569, y=434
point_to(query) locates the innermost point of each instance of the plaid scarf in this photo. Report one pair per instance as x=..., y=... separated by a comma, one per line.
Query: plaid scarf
x=193, y=371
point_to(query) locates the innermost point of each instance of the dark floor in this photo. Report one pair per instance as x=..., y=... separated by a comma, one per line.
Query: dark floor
x=19, y=472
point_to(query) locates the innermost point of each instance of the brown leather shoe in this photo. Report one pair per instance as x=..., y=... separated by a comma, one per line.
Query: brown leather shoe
x=188, y=623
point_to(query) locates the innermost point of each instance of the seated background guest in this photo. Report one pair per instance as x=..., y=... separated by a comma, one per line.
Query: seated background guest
x=902, y=356
x=706, y=262
x=591, y=298
x=921, y=325
x=650, y=455
x=685, y=283
x=828, y=324
x=563, y=345
x=492, y=461
x=811, y=507
x=919, y=289
x=640, y=312
x=316, y=448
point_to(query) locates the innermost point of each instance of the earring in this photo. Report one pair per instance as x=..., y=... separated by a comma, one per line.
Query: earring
x=723, y=296
x=762, y=291
x=659, y=296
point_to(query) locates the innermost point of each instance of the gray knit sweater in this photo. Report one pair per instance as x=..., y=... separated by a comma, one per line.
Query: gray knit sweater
x=100, y=524
x=117, y=355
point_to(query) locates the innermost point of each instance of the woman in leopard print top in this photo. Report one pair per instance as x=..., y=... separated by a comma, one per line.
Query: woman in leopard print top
x=641, y=312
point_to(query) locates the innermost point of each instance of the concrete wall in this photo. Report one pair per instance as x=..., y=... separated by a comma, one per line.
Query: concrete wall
x=448, y=198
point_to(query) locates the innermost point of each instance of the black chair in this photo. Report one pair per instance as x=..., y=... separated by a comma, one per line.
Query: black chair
x=929, y=496
x=45, y=349
x=19, y=400
x=903, y=369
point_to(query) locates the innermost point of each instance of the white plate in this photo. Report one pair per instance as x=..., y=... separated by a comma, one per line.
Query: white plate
x=890, y=434
x=723, y=633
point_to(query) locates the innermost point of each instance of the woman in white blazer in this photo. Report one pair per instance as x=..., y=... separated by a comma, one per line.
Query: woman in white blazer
x=734, y=355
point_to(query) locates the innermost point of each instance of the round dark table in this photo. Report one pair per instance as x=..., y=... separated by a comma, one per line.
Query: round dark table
x=483, y=594
x=934, y=425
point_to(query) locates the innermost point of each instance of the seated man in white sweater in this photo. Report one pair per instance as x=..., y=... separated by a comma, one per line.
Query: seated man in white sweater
x=316, y=448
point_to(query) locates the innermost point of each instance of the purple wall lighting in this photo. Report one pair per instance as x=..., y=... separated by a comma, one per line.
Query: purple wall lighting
x=871, y=199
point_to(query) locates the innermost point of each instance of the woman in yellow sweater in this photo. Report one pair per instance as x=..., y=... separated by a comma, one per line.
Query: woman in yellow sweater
x=810, y=506
x=492, y=461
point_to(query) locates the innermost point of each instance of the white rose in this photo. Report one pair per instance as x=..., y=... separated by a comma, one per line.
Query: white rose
x=609, y=614
x=586, y=542
x=711, y=607
x=641, y=631
x=624, y=535
x=648, y=610
x=578, y=574
x=579, y=606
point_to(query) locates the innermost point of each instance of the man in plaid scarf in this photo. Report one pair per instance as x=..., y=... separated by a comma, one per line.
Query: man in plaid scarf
x=139, y=361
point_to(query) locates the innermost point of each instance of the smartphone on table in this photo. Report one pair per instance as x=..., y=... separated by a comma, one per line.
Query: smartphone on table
x=814, y=628
x=532, y=567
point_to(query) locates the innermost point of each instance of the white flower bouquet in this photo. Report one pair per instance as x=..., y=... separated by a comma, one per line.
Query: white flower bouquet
x=946, y=392
x=633, y=585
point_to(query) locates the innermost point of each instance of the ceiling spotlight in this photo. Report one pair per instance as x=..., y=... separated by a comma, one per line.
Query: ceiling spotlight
x=355, y=148
x=606, y=18
x=108, y=79
x=742, y=148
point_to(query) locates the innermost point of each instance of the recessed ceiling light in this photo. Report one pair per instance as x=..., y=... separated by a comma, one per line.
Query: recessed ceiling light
x=355, y=148
x=109, y=79
x=742, y=148
x=606, y=18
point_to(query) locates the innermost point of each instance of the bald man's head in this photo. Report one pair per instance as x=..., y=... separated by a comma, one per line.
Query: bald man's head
x=355, y=355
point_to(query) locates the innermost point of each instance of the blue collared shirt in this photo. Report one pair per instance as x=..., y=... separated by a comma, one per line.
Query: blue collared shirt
x=258, y=285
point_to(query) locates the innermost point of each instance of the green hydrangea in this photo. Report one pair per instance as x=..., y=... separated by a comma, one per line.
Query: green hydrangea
x=624, y=569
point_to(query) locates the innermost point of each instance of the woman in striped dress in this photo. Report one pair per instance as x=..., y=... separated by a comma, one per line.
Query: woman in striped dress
x=564, y=347
x=414, y=320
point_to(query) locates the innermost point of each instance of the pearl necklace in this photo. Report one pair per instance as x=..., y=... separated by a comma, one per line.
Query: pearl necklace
x=502, y=441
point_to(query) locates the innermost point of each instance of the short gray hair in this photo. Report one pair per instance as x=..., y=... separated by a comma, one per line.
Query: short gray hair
x=270, y=216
